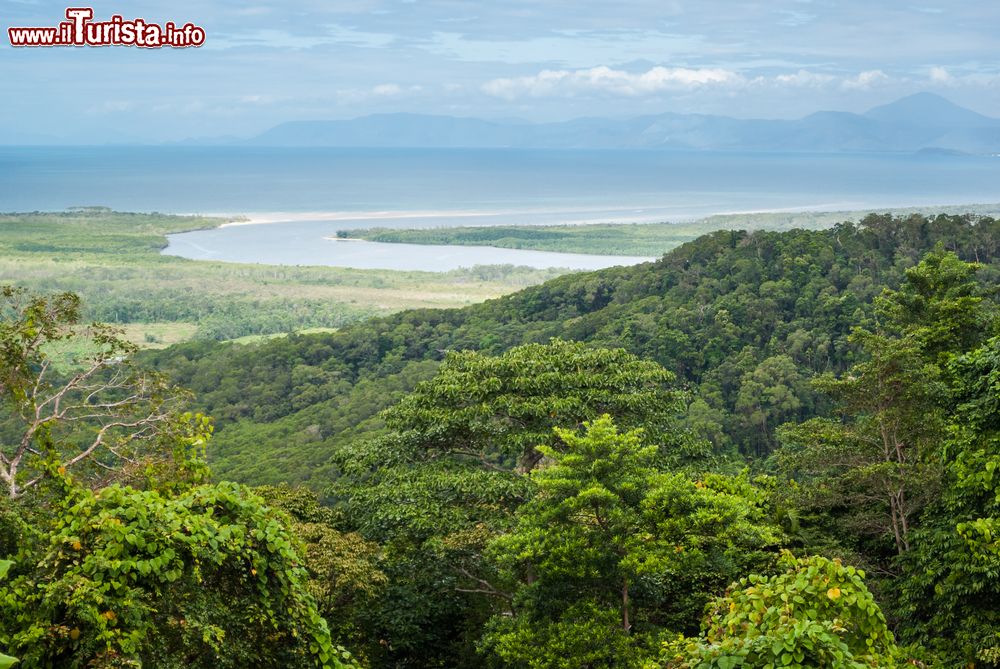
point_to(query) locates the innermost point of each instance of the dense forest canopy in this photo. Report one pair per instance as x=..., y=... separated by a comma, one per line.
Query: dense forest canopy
x=743, y=320
x=763, y=450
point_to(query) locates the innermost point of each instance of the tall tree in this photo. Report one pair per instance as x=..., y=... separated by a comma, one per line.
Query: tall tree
x=613, y=548
x=99, y=415
x=951, y=587
x=450, y=473
x=881, y=461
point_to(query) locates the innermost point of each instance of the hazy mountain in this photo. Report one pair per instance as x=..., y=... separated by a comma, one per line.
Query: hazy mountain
x=929, y=110
x=918, y=122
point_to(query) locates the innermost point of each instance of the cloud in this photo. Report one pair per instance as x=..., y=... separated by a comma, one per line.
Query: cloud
x=939, y=75
x=379, y=92
x=804, y=78
x=256, y=99
x=866, y=80
x=606, y=80
x=387, y=90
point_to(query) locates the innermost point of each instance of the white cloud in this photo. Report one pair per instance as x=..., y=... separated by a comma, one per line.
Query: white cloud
x=939, y=75
x=865, y=80
x=604, y=79
x=804, y=78
x=387, y=90
x=379, y=92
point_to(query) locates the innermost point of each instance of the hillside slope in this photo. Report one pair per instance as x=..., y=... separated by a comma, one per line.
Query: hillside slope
x=744, y=319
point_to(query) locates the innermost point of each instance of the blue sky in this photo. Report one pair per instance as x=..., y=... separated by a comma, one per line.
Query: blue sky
x=269, y=61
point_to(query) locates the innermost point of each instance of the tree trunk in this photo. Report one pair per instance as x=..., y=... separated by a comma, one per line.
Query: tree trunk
x=625, y=622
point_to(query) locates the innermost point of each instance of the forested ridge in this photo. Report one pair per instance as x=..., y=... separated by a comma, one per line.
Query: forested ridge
x=743, y=319
x=763, y=450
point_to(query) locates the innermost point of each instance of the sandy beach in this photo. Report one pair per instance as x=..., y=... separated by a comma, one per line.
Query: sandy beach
x=298, y=217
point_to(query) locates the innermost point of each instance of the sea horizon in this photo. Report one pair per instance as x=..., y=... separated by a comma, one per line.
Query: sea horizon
x=550, y=186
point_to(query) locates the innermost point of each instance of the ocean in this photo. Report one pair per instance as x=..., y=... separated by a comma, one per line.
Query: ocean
x=428, y=188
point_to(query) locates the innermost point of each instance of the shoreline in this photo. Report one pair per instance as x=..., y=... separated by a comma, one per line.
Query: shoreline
x=272, y=218
x=633, y=259
x=611, y=215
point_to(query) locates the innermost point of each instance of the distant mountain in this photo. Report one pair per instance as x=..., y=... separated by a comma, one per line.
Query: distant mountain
x=918, y=122
x=929, y=110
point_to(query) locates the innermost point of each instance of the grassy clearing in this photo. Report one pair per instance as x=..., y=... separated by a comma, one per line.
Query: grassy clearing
x=256, y=339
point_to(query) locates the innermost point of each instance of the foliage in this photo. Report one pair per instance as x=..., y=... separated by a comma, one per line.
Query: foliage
x=771, y=394
x=497, y=409
x=881, y=458
x=6, y=661
x=344, y=571
x=878, y=462
x=639, y=549
x=724, y=313
x=448, y=474
x=818, y=614
x=103, y=414
x=460, y=436
x=209, y=577
x=586, y=635
x=939, y=305
x=953, y=572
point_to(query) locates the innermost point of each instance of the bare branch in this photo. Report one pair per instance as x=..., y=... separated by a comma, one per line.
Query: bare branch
x=486, y=588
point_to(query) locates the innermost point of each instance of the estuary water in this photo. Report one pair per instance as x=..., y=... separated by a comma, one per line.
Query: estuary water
x=304, y=243
x=352, y=188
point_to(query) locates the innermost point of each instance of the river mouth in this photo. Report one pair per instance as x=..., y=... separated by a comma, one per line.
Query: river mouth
x=315, y=243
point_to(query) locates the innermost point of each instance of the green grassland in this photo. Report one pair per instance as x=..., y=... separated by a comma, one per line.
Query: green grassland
x=113, y=261
x=636, y=239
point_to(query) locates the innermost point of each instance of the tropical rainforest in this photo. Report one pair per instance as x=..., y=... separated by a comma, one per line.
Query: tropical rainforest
x=765, y=449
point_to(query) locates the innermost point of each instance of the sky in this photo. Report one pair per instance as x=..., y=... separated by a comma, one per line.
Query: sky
x=265, y=62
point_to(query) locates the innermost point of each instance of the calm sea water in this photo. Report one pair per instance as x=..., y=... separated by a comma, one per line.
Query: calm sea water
x=419, y=187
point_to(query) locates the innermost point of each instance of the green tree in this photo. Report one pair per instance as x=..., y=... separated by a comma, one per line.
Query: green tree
x=449, y=475
x=6, y=661
x=205, y=577
x=773, y=393
x=496, y=409
x=881, y=459
x=950, y=583
x=939, y=305
x=818, y=614
x=610, y=532
x=345, y=577
x=105, y=413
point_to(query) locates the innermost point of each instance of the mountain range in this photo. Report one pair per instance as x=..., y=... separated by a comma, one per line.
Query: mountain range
x=919, y=122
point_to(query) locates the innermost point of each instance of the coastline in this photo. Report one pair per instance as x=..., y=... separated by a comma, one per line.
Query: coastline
x=639, y=215
x=270, y=218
